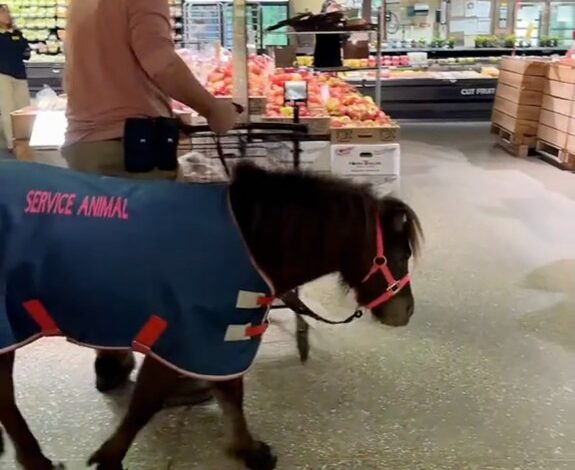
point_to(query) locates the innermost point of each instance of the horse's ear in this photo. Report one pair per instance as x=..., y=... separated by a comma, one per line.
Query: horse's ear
x=399, y=221
x=396, y=212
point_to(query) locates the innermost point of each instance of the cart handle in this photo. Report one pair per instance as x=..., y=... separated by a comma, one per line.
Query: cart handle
x=259, y=126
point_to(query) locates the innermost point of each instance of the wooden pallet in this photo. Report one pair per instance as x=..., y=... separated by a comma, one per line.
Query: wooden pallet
x=557, y=156
x=516, y=145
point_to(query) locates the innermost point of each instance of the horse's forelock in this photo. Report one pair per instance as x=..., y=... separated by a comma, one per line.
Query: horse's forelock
x=413, y=227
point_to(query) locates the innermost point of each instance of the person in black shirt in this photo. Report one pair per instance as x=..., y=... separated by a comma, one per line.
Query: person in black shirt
x=327, y=52
x=14, y=50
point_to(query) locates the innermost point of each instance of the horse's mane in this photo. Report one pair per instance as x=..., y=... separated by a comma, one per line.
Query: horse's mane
x=298, y=191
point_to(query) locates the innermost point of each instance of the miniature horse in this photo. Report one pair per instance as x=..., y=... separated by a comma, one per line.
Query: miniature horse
x=297, y=228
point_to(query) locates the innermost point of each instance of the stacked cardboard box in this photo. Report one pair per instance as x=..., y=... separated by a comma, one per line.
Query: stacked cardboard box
x=556, y=132
x=22, y=124
x=518, y=100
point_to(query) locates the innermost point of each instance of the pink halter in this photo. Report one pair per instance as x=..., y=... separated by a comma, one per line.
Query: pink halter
x=380, y=265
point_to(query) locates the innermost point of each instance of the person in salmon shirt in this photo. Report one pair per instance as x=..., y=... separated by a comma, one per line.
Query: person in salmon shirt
x=121, y=63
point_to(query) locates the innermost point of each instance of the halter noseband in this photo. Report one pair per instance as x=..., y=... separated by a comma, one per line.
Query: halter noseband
x=380, y=266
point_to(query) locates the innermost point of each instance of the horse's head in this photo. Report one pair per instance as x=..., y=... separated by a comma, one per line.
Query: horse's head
x=379, y=269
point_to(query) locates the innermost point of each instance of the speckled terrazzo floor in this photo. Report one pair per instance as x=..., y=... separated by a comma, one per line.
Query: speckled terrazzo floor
x=482, y=379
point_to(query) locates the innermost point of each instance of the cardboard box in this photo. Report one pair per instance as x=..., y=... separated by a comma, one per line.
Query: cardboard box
x=524, y=97
x=531, y=67
x=516, y=126
x=365, y=135
x=364, y=160
x=552, y=136
x=524, y=82
x=22, y=150
x=516, y=110
x=23, y=122
x=558, y=105
x=561, y=73
x=315, y=125
x=554, y=120
x=560, y=89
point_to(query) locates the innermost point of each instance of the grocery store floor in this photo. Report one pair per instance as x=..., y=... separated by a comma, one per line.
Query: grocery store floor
x=482, y=379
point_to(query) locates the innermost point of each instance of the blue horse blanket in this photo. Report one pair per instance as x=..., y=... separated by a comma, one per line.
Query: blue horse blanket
x=159, y=267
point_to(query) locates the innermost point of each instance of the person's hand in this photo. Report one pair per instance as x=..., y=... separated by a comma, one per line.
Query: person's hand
x=222, y=117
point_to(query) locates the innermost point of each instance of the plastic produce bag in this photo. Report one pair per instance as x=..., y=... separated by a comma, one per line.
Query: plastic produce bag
x=48, y=100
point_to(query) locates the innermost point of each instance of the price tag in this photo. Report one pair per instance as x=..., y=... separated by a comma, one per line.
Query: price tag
x=296, y=91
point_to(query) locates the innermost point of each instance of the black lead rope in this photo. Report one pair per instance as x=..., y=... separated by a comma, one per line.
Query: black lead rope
x=291, y=300
x=221, y=156
x=315, y=316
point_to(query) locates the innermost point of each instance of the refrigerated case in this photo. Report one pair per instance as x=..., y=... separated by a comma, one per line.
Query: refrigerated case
x=209, y=22
x=562, y=22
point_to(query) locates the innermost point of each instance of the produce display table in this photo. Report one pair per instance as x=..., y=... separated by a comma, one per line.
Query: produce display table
x=402, y=98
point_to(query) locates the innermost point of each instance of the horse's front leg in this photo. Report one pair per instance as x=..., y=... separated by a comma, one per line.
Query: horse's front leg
x=256, y=455
x=154, y=382
x=28, y=452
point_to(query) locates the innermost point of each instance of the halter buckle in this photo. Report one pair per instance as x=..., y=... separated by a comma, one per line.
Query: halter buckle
x=394, y=288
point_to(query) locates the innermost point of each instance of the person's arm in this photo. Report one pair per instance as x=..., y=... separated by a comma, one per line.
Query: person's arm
x=151, y=41
x=26, y=51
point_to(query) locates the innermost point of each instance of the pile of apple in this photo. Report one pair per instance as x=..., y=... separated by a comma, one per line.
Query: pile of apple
x=348, y=108
x=219, y=80
x=327, y=96
x=355, y=110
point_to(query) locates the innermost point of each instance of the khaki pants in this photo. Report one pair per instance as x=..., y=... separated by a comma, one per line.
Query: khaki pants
x=14, y=95
x=106, y=158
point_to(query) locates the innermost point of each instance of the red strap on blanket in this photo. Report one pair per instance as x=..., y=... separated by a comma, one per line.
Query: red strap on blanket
x=149, y=334
x=258, y=330
x=265, y=301
x=41, y=316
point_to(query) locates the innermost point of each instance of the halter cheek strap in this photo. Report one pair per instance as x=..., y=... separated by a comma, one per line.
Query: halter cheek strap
x=380, y=266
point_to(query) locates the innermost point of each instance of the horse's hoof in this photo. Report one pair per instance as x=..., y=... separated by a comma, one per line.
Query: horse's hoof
x=259, y=458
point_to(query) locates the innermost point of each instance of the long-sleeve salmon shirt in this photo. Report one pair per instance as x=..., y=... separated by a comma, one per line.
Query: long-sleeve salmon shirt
x=114, y=49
